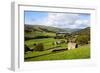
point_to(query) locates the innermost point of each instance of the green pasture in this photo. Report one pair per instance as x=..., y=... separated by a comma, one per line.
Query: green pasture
x=82, y=52
x=47, y=42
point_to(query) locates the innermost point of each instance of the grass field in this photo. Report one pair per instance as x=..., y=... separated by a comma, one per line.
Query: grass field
x=48, y=43
x=82, y=52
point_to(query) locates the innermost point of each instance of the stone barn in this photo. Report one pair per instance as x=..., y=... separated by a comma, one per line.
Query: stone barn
x=72, y=44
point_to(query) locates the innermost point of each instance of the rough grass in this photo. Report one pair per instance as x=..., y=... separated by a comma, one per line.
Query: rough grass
x=83, y=52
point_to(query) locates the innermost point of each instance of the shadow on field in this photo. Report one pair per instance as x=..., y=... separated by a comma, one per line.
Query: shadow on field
x=43, y=55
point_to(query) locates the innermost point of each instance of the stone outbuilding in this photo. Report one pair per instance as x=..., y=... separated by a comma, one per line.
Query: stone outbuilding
x=72, y=44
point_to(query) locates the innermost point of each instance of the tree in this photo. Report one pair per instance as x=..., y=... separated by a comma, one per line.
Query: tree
x=82, y=39
x=39, y=47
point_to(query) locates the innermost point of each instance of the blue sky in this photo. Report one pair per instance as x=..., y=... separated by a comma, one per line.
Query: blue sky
x=32, y=17
x=60, y=20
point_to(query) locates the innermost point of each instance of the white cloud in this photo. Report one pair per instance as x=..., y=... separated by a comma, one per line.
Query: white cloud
x=82, y=23
x=63, y=20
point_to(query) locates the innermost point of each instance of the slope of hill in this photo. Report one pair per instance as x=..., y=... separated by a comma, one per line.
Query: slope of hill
x=42, y=28
x=85, y=31
x=82, y=36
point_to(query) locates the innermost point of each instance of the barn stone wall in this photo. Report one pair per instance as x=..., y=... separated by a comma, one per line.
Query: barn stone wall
x=71, y=45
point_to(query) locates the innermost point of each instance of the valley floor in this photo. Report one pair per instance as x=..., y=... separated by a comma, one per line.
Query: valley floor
x=82, y=52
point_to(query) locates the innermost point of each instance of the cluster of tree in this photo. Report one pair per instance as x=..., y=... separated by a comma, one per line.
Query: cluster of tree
x=83, y=39
x=39, y=47
x=82, y=36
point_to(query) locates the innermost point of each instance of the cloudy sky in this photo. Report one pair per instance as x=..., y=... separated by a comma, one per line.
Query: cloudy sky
x=60, y=20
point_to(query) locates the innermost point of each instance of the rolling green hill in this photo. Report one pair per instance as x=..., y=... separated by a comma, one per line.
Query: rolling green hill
x=42, y=28
x=85, y=31
x=41, y=31
x=33, y=31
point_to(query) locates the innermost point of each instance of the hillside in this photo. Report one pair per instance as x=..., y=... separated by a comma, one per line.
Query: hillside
x=41, y=31
x=85, y=31
x=82, y=36
x=42, y=28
